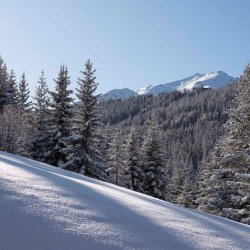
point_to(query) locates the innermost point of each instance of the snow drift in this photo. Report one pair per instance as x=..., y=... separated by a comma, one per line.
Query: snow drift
x=43, y=207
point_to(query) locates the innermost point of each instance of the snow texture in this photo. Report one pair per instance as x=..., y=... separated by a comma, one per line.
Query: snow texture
x=43, y=207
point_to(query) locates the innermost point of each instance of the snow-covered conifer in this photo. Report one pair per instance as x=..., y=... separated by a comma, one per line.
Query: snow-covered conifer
x=175, y=185
x=23, y=94
x=116, y=162
x=153, y=161
x=3, y=85
x=61, y=120
x=189, y=187
x=12, y=89
x=133, y=163
x=85, y=150
x=42, y=119
x=228, y=186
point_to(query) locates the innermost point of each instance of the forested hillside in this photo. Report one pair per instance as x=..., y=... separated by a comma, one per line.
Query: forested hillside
x=162, y=146
x=190, y=124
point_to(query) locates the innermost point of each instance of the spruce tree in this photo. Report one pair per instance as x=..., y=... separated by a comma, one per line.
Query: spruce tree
x=189, y=187
x=176, y=182
x=85, y=152
x=3, y=85
x=133, y=162
x=61, y=119
x=41, y=97
x=116, y=162
x=12, y=89
x=227, y=192
x=153, y=161
x=42, y=119
x=24, y=94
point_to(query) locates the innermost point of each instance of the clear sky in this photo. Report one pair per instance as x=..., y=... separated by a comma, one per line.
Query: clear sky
x=131, y=42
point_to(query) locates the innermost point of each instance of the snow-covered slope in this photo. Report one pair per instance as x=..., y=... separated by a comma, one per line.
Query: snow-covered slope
x=167, y=87
x=211, y=80
x=117, y=94
x=144, y=90
x=42, y=207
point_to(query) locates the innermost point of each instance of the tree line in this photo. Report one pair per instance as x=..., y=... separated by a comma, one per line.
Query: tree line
x=51, y=128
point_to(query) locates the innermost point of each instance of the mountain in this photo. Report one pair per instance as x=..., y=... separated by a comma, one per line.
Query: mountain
x=43, y=207
x=118, y=94
x=212, y=80
x=166, y=87
x=209, y=80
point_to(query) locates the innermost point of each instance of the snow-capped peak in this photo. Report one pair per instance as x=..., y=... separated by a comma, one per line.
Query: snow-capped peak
x=210, y=80
x=144, y=90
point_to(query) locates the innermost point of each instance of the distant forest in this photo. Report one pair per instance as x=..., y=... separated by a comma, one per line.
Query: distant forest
x=190, y=148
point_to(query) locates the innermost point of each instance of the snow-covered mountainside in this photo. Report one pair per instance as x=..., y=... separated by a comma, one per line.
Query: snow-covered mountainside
x=43, y=207
x=117, y=94
x=144, y=90
x=211, y=80
x=167, y=87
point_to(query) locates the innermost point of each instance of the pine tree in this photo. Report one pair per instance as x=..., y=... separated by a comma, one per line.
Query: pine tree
x=176, y=182
x=24, y=94
x=154, y=162
x=189, y=187
x=3, y=85
x=61, y=120
x=25, y=107
x=41, y=97
x=116, y=163
x=42, y=120
x=12, y=89
x=133, y=163
x=86, y=155
x=228, y=186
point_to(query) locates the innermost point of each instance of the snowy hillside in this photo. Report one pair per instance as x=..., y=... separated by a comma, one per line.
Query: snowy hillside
x=212, y=80
x=42, y=207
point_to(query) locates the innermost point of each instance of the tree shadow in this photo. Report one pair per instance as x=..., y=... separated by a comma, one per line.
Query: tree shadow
x=134, y=230
x=78, y=186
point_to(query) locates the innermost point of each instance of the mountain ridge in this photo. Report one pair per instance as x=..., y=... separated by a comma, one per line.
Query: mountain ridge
x=209, y=80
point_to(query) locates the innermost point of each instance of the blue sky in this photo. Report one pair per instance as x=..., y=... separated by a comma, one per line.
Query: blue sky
x=131, y=42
